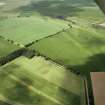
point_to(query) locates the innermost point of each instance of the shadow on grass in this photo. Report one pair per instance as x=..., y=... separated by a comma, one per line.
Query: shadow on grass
x=69, y=98
x=95, y=63
x=54, y=8
x=22, y=94
x=4, y=103
x=96, y=42
x=88, y=39
x=101, y=4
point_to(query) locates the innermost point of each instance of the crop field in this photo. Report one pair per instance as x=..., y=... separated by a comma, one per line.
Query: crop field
x=78, y=49
x=26, y=21
x=6, y=47
x=82, y=47
x=41, y=82
x=69, y=32
x=25, y=30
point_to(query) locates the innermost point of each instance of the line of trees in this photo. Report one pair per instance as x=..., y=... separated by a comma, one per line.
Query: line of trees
x=57, y=33
x=15, y=54
x=8, y=58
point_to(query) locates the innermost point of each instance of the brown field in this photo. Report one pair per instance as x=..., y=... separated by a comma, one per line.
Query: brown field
x=98, y=83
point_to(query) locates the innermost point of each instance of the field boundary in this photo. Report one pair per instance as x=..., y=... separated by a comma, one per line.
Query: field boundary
x=11, y=56
x=57, y=33
x=12, y=42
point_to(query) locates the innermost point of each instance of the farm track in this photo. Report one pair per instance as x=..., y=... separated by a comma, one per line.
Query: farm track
x=86, y=93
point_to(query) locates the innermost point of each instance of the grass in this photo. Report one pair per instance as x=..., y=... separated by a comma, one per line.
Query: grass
x=81, y=48
x=34, y=78
x=17, y=93
x=90, y=14
x=26, y=21
x=25, y=30
x=74, y=47
x=6, y=47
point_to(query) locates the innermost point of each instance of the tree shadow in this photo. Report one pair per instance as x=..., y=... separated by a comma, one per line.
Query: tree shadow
x=88, y=40
x=101, y=4
x=4, y=103
x=55, y=9
x=95, y=42
x=95, y=63
x=69, y=98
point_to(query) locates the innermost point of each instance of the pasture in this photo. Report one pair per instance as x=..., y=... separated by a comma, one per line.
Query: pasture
x=37, y=81
x=26, y=21
x=63, y=30
x=26, y=30
x=79, y=48
x=82, y=47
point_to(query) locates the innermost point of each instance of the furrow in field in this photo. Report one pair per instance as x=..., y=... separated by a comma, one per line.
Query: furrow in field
x=4, y=99
x=35, y=90
x=48, y=74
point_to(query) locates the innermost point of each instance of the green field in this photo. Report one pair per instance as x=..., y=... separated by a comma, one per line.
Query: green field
x=77, y=48
x=82, y=47
x=27, y=20
x=6, y=47
x=39, y=82
x=66, y=31
x=25, y=30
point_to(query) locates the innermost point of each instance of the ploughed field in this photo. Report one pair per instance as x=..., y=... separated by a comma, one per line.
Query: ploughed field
x=38, y=81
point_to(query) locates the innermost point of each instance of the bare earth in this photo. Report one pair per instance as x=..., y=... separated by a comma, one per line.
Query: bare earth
x=98, y=84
